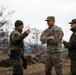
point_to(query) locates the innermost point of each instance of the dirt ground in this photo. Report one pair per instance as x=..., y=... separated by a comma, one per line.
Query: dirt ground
x=36, y=69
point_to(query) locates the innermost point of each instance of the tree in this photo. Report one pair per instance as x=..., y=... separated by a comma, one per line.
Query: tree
x=33, y=41
x=5, y=22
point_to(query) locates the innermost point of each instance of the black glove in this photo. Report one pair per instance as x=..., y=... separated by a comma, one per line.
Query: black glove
x=13, y=54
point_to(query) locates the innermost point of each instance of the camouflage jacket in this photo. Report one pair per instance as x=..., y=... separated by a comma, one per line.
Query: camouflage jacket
x=72, y=42
x=53, y=45
x=16, y=40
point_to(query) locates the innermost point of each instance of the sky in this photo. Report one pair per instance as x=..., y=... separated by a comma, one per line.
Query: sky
x=34, y=12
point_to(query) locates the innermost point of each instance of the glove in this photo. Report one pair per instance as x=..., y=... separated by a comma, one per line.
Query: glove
x=13, y=54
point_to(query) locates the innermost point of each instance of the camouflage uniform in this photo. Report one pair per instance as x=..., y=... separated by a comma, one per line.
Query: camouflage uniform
x=16, y=44
x=53, y=55
x=71, y=45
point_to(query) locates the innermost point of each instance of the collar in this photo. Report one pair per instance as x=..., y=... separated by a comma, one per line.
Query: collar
x=51, y=27
x=19, y=30
x=73, y=29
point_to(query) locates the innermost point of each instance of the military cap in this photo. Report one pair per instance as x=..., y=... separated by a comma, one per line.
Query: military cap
x=18, y=23
x=50, y=18
x=73, y=21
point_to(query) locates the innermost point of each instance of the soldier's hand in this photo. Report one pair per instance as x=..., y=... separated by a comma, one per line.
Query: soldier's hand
x=50, y=38
x=27, y=31
x=43, y=37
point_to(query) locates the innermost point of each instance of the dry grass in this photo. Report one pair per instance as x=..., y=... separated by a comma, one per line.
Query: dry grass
x=35, y=69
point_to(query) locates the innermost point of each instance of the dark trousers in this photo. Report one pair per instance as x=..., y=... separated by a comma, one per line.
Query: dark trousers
x=17, y=70
x=17, y=66
x=16, y=62
x=73, y=65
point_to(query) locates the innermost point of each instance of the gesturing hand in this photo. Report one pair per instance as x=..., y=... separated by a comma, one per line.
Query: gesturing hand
x=50, y=38
x=27, y=31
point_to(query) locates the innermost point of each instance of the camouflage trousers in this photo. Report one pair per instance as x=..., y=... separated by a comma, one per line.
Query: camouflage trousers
x=17, y=66
x=55, y=60
x=73, y=65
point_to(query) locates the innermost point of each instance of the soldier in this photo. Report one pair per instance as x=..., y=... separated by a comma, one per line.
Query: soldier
x=52, y=36
x=71, y=45
x=17, y=47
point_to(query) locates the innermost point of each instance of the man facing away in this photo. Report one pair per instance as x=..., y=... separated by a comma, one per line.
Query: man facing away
x=52, y=36
x=71, y=45
x=17, y=47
